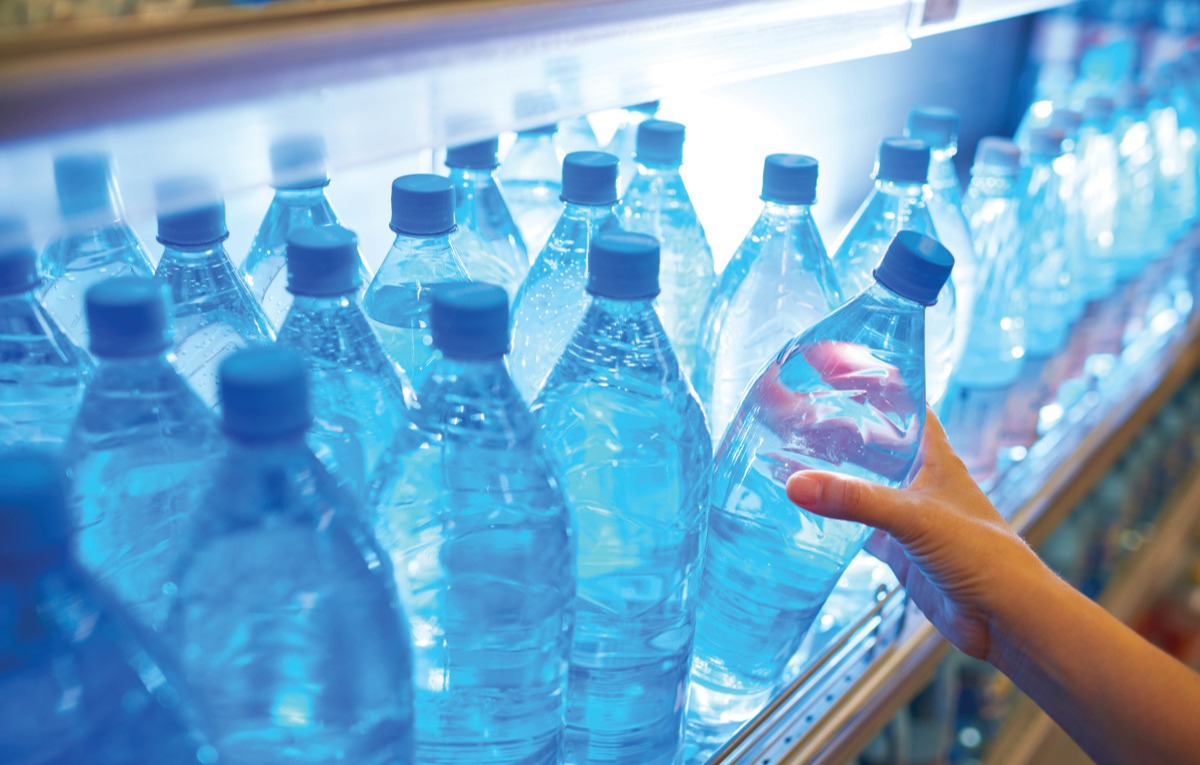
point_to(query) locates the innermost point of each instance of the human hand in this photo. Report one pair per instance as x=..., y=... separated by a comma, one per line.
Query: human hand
x=955, y=555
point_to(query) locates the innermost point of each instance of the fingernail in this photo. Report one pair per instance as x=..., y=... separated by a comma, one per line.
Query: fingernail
x=803, y=490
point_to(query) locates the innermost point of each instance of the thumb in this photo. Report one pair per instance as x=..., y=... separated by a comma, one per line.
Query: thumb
x=852, y=499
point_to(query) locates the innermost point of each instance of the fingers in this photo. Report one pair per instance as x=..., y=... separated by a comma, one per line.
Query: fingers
x=852, y=499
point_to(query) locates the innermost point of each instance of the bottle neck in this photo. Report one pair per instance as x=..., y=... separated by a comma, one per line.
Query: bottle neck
x=196, y=253
x=132, y=368
x=786, y=214
x=991, y=185
x=423, y=242
x=471, y=177
x=586, y=213
x=307, y=197
x=658, y=169
x=885, y=298
x=320, y=304
x=907, y=190
x=942, y=171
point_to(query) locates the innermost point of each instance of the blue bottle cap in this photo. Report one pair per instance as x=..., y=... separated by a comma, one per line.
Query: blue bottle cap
x=659, y=142
x=623, y=266
x=915, y=267
x=86, y=185
x=298, y=162
x=935, y=125
x=481, y=155
x=903, y=160
x=997, y=156
x=191, y=213
x=1046, y=141
x=33, y=509
x=422, y=205
x=128, y=316
x=322, y=261
x=1066, y=120
x=590, y=178
x=789, y=179
x=264, y=394
x=18, y=259
x=1098, y=109
x=469, y=320
x=649, y=108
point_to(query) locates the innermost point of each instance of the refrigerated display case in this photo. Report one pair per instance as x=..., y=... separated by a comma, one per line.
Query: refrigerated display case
x=168, y=87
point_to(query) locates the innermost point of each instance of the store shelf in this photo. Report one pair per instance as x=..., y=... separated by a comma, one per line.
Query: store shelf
x=1035, y=495
x=1138, y=580
x=936, y=16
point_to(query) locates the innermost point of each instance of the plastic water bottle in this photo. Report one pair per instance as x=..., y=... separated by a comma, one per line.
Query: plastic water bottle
x=358, y=394
x=623, y=143
x=422, y=257
x=1137, y=238
x=1048, y=311
x=299, y=176
x=532, y=177
x=1068, y=170
x=846, y=395
x=1098, y=195
x=629, y=438
x=778, y=284
x=900, y=202
x=480, y=537
x=487, y=237
x=287, y=624
x=96, y=243
x=657, y=203
x=77, y=684
x=138, y=450
x=938, y=127
x=1175, y=146
x=215, y=314
x=42, y=372
x=552, y=301
x=995, y=347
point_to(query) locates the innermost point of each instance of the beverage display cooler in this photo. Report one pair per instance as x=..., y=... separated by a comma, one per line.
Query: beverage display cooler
x=1101, y=476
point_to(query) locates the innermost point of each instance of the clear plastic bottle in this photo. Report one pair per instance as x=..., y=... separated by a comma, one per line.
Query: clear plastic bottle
x=1067, y=169
x=96, y=242
x=77, y=682
x=487, y=238
x=623, y=143
x=552, y=301
x=1048, y=311
x=287, y=624
x=215, y=314
x=1175, y=145
x=532, y=177
x=139, y=448
x=358, y=394
x=1098, y=194
x=995, y=347
x=657, y=203
x=846, y=395
x=778, y=284
x=42, y=373
x=629, y=439
x=479, y=533
x=899, y=202
x=1136, y=238
x=299, y=176
x=938, y=127
x=422, y=257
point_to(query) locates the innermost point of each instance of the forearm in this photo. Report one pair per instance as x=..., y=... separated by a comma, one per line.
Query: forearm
x=1120, y=698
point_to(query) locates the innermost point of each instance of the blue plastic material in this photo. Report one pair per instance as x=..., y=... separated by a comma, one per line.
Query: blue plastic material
x=129, y=316
x=623, y=143
x=645, y=107
x=532, y=178
x=478, y=531
x=789, y=179
x=191, y=213
x=1067, y=120
x=659, y=142
x=298, y=162
x=422, y=205
x=1046, y=141
x=915, y=267
x=264, y=395
x=847, y=395
x=487, y=237
x=903, y=160
x=481, y=155
x=623, y=266
x=469, y=320
x=323, y=261
x=630, y=441
x=18, y=259
x=997, y=156
x=590, y=178
x=1099, y=109
x=125, y=705
x=935, y=125
x=287, y=619
x=139, y=444
x=85, y=186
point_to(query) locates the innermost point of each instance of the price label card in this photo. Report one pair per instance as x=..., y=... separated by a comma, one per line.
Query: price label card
x=939, y=11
